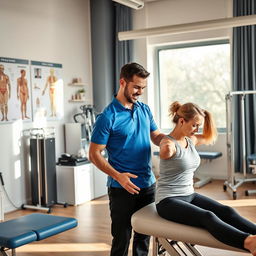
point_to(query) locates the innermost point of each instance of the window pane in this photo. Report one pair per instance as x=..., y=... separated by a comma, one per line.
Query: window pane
x=198, y=74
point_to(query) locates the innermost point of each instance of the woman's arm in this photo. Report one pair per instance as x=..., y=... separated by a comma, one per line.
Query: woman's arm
x=200, y=139
x=167, y=148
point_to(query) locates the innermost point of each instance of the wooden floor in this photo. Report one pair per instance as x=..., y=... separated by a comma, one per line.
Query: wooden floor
x=92, y=236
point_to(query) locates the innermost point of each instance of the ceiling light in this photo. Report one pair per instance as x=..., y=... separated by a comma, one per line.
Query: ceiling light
x=188, y=27
x=135, y=4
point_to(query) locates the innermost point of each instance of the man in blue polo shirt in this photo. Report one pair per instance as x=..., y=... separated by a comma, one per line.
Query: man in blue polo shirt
x=125, y=129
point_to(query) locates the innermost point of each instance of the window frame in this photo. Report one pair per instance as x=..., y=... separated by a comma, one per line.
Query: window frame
x=179, y=46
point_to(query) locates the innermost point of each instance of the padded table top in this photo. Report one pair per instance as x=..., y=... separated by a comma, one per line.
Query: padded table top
x=147, y=221
x=251, y=157
x=209, y=155
x=32, y=227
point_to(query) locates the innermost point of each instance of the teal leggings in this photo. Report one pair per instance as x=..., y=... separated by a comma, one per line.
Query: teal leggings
x=223, y=222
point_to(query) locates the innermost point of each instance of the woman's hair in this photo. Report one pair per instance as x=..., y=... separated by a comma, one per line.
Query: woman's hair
x=189, y=111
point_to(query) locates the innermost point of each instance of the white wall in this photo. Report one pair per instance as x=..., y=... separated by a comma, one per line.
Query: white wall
x=171, y=12
x=55, y=31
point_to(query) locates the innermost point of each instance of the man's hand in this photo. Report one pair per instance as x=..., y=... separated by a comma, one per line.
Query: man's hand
x=125, y=182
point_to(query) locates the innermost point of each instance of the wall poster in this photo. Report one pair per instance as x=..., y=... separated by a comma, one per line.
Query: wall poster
x=47, y=90
x=15, y=90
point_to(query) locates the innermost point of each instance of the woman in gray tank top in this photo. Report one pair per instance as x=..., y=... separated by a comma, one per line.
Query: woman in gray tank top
x=175, y=196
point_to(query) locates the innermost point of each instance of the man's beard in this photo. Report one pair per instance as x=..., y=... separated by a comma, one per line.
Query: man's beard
x=128, y=97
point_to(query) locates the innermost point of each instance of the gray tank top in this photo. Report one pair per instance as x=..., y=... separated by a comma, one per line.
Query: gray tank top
x=176, y=173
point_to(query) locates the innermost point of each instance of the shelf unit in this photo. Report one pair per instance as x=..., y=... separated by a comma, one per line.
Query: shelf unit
x=76, y=101
x=82, y=86
x=77, y=84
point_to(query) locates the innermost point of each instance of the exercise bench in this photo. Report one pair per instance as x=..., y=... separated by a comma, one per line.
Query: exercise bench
x=207, y=156
x=33, y=227
x=251, y=160
x=174, y=238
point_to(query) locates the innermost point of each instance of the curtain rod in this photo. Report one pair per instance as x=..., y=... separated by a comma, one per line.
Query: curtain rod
x=188, y=27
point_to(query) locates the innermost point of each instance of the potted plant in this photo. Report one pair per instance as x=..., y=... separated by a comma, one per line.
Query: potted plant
x=81, y=94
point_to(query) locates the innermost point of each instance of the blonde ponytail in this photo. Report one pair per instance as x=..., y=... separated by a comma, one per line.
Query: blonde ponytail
x=209, y=130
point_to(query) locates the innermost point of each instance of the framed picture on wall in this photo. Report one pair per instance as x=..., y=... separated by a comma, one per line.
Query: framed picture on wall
x=47, y=90
x=15, y=90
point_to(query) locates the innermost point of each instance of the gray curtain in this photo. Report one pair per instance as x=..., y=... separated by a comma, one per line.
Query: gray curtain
x=123, y=49
x=108, y=54
x=244, y=78
x=103, y=52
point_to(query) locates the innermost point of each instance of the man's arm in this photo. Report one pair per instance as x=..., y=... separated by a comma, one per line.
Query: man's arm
x=98, y=160
x=156, y=137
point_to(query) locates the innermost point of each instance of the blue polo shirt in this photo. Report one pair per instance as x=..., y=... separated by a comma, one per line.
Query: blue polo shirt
x=126, y=134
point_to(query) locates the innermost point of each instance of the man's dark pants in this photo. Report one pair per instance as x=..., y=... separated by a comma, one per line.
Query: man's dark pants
x=122, y=205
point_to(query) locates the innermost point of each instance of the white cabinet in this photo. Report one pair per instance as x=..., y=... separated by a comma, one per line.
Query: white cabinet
x=75, y=184
x=100, y=182
x=79, y=184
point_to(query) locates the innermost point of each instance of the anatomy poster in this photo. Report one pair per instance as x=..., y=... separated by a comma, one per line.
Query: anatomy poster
x=47, y=90
x=15, y=90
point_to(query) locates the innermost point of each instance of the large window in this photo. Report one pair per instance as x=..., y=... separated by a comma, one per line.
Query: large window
x=198, y=73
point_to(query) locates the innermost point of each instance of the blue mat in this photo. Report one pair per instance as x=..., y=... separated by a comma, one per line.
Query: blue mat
x=32, y=227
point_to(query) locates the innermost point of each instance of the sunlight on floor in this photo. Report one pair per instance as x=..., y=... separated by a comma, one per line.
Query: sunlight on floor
x=232, y=203
x=67, y=247
x=95, y=202
x=239, y=202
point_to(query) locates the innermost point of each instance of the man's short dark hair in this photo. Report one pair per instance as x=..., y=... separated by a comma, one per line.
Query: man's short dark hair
x=131, y=69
